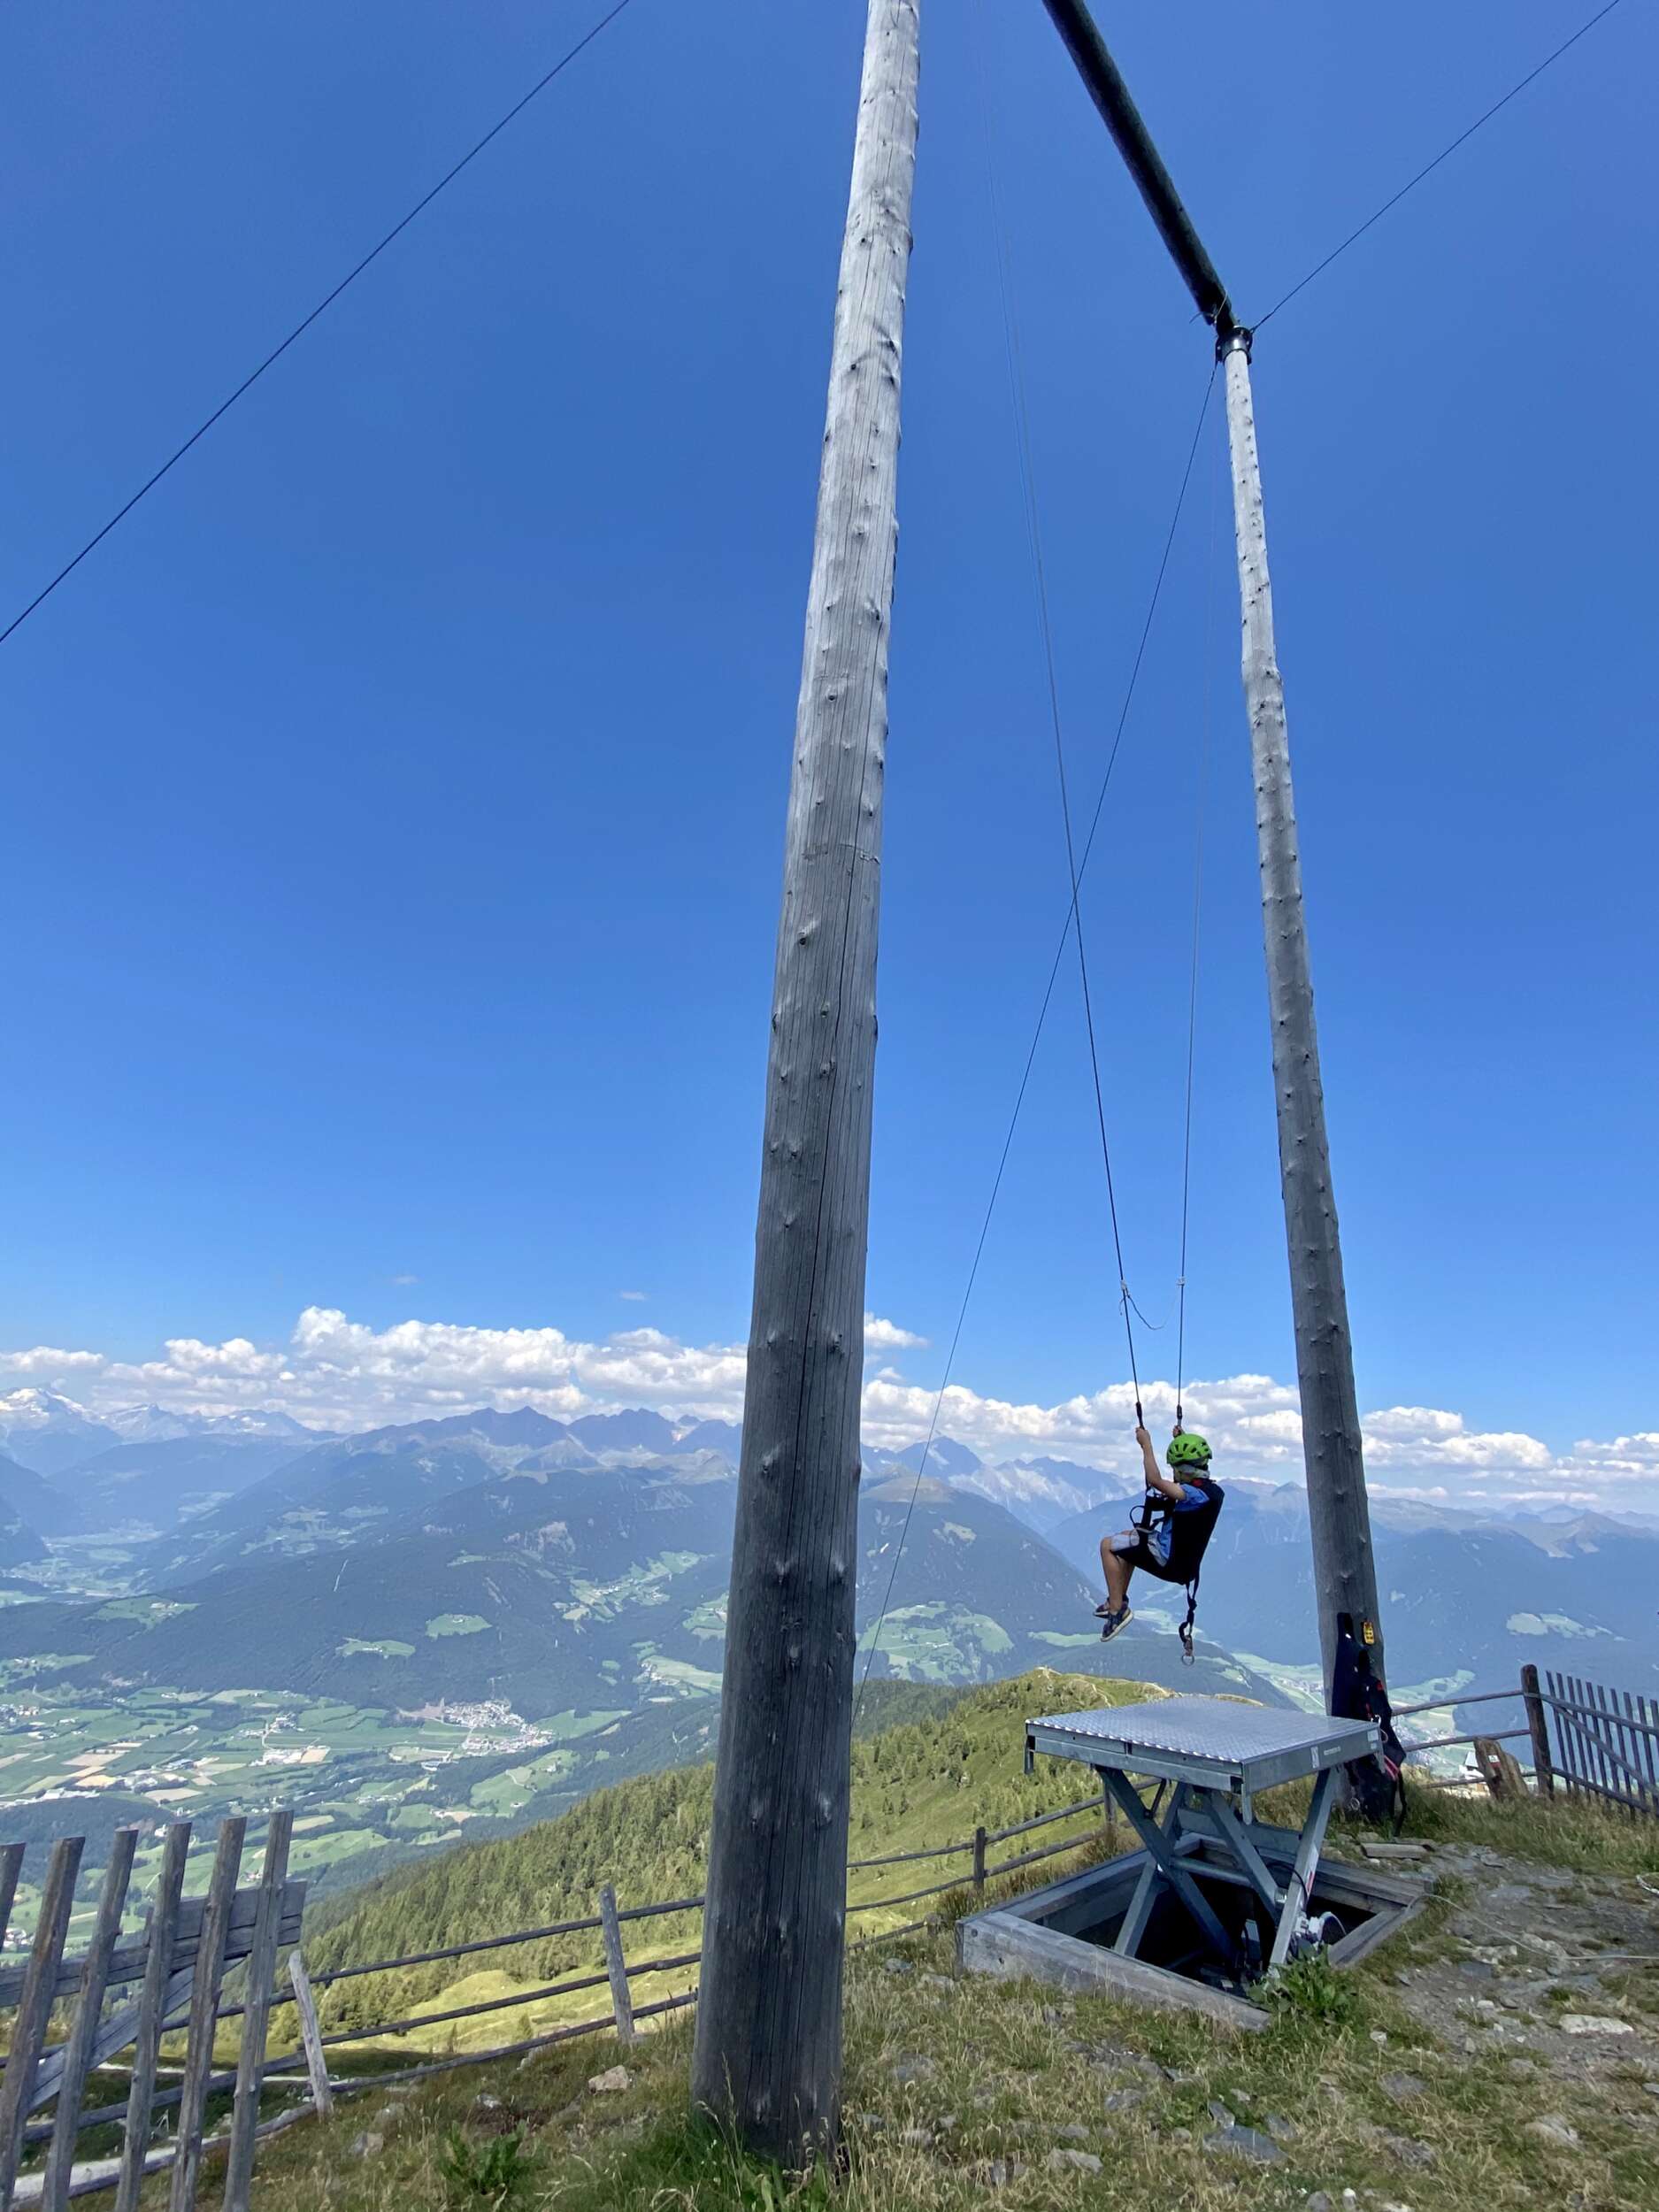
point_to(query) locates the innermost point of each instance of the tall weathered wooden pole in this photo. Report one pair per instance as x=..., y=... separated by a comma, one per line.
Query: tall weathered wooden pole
x=768, y=2052
x=1344, y=1570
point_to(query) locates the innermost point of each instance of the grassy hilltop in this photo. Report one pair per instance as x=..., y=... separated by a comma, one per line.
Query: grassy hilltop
x=925, y=1779
x=1499, y=2053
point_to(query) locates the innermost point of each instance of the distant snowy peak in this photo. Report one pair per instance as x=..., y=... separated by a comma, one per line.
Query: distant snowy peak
x=34, y=1408
x=1043, y=1492
x=47, y=1432
x=50, y=1434
x=945, y=1457
x=155, y=1424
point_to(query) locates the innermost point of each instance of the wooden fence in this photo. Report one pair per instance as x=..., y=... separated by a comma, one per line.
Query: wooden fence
x=1602, y=1743
x=127, y=1995
x=1583, y=1738
x=188, y=1946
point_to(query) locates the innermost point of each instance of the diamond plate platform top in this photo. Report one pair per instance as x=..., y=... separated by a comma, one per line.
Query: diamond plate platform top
x=1211, y=1728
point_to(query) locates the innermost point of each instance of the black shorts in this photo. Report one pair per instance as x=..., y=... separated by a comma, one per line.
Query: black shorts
x=1140, y=1554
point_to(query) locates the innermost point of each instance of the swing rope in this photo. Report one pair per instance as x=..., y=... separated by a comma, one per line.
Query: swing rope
x=1040, y=578
x=1053, y=969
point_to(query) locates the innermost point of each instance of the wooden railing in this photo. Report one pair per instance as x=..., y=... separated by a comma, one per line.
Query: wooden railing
x=188, y=1945
x=1605, y=1744
x=178, y=1965
x=1583, y=1738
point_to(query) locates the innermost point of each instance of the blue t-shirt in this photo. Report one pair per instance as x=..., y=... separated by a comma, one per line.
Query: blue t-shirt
x=1158, y=1536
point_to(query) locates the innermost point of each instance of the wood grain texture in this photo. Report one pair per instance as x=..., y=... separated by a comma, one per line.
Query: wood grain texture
x=257, y=2012
x=34, y=2004
x=1345, y=1574
x=1011, y=1949
x=152, y=2013
x=77, y=2063
x=11, y=1867
x=310, y=2036
x=207, y=1973
x=769, y=2037
x=616, y=1965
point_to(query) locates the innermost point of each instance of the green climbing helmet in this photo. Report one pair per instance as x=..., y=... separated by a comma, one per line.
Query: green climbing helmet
x=1188, y=1450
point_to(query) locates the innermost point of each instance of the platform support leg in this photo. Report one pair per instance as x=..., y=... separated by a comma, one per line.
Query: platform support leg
x=1300, y=1895
x=1163, y=1844
x=1134, y=1925
x=1235, y=1834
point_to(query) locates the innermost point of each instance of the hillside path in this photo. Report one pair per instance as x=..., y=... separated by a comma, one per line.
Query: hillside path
x=1556, y=1967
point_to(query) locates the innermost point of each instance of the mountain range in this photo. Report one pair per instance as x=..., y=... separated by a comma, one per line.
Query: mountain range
x=227, y=1499
x=463, y=1624
x=405, y=1568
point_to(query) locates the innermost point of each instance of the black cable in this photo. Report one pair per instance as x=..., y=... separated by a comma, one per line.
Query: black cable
x=299, y=329
x=1446, y=152
x=1036, y=1038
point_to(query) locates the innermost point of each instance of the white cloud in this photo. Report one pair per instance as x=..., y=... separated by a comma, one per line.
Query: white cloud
x=634, y=1297
x=886, y=1336
x=337, y=1372
x=43, y=1362
x=1243, y=1415
x=1425, y=1436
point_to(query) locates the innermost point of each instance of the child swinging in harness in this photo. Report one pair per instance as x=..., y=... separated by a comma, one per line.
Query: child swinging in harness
x=1174, y=1524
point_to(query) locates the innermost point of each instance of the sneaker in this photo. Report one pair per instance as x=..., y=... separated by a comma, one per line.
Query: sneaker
x=1113, y=1621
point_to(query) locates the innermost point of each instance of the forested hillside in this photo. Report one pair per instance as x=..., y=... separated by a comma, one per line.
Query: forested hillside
x=921, y=1781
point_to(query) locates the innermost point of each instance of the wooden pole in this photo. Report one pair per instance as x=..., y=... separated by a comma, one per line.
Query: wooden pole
x=616, y=1966
x=1344, y=1570
x=204, y=1984
x=768, y=2051
x=35, y=2003
x=256, y=2016
x=152, y=2014
x=1344, y=1573
x=95, y=1970
x=310, y=2036
x=1538, y=1728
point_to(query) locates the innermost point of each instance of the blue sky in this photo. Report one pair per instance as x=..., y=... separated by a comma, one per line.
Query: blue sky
x=394, y=802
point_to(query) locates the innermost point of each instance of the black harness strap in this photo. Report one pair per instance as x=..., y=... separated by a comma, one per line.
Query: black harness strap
x=1190, y=1530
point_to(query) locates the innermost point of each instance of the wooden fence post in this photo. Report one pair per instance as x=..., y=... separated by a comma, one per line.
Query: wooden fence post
x=89, y=2004
x=1538, y=1728
x=257, y=2012
x=34, y=2004
x=310, y=2035
x=198, y=2059
x=621, y=1998
x=11, y=1867
x=152, y=2012
x=978, y=1860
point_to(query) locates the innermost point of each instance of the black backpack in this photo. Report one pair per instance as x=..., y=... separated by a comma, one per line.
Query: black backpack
x=1357, y=1693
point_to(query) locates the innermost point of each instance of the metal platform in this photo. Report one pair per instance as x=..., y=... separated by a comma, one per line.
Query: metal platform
x=1209, y=1757
x=1209, y=1741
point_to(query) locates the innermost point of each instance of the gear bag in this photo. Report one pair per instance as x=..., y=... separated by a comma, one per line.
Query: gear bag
x=1189, y=1533
x=1356, y=1693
